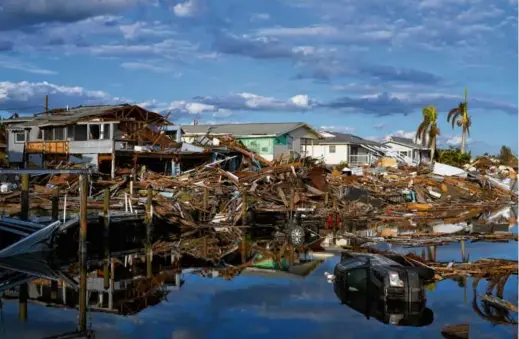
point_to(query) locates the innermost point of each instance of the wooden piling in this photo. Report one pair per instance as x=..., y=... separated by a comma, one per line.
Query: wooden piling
x=131, y=186
x=23, y=294
x=55, y=205
x=53, y=290
x=106, y=222
x=463, y=257
x=83, y=191
x=25, y=197
x=106, y=211
x=149, y=202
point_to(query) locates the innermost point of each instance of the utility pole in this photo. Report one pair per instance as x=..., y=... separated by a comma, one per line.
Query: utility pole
x=46, y=105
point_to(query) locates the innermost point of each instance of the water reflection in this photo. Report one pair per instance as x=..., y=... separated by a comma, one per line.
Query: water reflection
x=276, y=289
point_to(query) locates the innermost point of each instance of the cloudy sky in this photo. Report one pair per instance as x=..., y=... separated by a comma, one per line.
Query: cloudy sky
x=364, y=67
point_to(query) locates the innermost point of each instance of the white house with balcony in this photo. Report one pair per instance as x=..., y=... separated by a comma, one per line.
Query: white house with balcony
x=335, y=148
x=408, y=149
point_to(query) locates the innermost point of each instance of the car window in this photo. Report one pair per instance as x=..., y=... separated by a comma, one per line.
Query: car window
x=352, y=263
x=358, y=280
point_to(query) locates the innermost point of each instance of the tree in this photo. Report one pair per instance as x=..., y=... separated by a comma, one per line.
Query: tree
x=460, y=116
x=454, y=157
x=428, y=129
x=506, y=157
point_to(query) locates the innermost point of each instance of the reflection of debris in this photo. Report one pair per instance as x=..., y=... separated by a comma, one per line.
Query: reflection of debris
x=460, y=331
x=493, y=307
x=482, y=268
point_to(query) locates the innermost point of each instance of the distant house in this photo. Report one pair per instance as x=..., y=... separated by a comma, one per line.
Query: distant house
x=269, y=140
x=406, y=147
x=335, y=148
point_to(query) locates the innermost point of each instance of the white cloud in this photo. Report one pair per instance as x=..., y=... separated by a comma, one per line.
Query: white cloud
x=31, y=94
x=454, y=140
x=145, y=29
x=189, y=8
x=301, y=100
x=379, y=126
x=333, y=128
x=401, y=134
x=147, y=66
x=225, y=106
x=9, y=63
x=299, y=31
x=254, y=101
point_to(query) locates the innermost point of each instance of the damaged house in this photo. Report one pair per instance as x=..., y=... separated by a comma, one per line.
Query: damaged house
x=335, y=148
x=103, y=137
x=406, y=147
x=269, y=140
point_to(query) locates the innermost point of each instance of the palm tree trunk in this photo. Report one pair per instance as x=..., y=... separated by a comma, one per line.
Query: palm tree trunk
x=433, y=149
x=463, y=140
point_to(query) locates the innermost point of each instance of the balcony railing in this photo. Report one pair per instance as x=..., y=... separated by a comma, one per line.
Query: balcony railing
x=359, y=160
x=49, y=147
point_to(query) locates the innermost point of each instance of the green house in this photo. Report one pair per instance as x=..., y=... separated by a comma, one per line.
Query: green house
x=266, y=139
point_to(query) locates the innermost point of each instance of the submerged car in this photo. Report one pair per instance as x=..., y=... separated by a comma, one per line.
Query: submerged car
x=390, y=278
x=380, y=287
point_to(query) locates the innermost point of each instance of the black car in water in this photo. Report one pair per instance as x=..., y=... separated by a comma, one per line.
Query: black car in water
x=380, y=287
x=388, y=277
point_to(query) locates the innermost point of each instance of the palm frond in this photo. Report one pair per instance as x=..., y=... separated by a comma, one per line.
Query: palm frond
x=453, y=113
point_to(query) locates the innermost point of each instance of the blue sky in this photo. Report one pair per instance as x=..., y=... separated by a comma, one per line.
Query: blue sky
x=364, y=67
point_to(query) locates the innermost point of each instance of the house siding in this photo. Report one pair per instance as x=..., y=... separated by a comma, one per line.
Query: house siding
x=262, y=146
x=15, y=149
x=400, y=148
x=299, y=135
x=323, y=152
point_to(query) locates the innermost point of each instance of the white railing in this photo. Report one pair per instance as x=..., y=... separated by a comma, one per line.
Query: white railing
x=361, y=159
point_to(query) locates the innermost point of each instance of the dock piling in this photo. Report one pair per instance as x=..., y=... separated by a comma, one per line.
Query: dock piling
x=55, y=204
x=25, y=197
x=83, y=191
x=23, y=294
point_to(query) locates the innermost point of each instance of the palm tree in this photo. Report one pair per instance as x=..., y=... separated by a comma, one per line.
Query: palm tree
x=460, y=116
x=428, y=129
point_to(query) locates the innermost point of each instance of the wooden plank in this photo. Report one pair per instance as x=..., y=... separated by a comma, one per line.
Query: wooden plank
x=104, y=157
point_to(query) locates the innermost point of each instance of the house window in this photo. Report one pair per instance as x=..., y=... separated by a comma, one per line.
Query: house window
x=80, y=133
x=95, y=132
x=331, y=148
x=40, y=134
x=20, y=137
x=59, y=133
x=290, y=142
x=106, y=132
x=70, y=132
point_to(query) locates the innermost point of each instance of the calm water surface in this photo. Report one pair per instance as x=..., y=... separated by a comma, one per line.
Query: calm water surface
x=259, y=307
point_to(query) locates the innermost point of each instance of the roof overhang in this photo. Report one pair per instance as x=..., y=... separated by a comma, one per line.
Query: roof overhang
x=309, y=128
x=407, y=145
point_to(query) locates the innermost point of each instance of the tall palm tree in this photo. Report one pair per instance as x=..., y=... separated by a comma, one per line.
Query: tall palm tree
x=428, y=130
x=460, y=116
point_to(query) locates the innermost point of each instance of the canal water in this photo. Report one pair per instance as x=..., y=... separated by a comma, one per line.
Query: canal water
x=277, y=306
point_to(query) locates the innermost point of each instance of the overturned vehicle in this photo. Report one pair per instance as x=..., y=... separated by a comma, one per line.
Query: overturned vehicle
x=384, y=287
